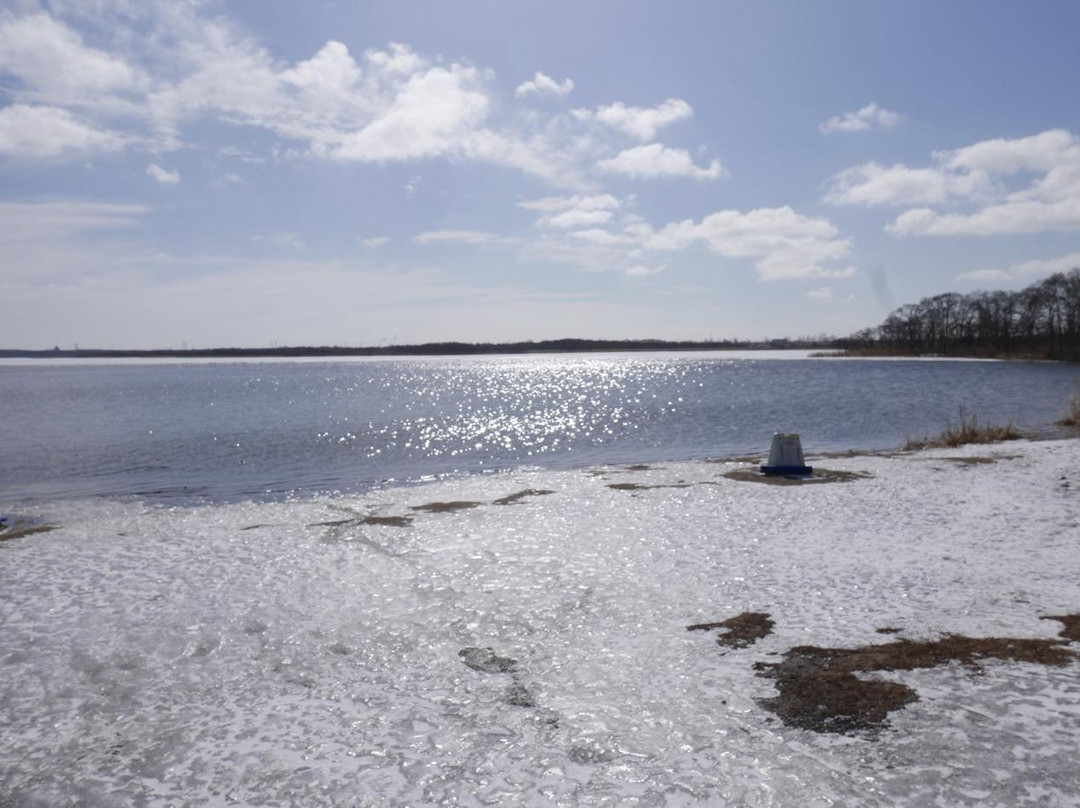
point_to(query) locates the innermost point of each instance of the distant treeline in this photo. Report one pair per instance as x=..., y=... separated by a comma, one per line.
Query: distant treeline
x=442, y=348
x=1041, y=321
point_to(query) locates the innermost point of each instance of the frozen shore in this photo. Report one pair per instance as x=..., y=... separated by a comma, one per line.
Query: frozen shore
x=520, y=639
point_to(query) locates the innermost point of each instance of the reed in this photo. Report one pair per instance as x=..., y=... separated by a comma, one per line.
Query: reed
x=968, y=430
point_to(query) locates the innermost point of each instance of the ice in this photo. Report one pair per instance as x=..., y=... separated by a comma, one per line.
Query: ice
x=292, y=654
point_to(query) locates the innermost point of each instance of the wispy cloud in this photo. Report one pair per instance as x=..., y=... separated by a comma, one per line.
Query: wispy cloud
x=162, y=175
x=1025, y=270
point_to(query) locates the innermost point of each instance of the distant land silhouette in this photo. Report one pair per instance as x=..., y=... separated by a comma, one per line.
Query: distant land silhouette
x=436, y=349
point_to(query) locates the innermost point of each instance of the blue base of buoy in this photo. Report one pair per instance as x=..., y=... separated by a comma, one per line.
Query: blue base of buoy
x=784, y=471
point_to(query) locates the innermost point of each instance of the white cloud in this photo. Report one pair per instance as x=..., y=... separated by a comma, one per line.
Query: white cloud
x=554, y=204
x=654, y=161
x=785, y=244
x=54, y=63
x=874, y=184
x=473, y=237
x=375, y=242
x=162, y=175
x=861, y=120
x=985, y=178
x=823, y=294
x=541, y=84
x=1025, y=270
x=576, y=217
x=44, y=133
x=641, y=123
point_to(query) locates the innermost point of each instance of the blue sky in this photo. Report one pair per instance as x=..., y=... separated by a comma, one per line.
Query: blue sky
x=256, y=173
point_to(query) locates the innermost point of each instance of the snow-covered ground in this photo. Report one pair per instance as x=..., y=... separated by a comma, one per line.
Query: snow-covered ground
x=248, y=655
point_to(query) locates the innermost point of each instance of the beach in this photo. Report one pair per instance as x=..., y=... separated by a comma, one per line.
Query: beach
x=520, y=638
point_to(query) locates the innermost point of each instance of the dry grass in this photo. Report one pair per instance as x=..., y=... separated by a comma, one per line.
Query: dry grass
x=968, y=430
x=1072, y=410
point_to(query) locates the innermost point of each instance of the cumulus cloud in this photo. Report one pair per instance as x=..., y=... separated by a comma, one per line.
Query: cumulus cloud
x=655, y=160
x=823, y=294
x=162, y=175
x=541, y=84
x=861, y=120
x=782, y=243
x=1025, y=270
x=977, y=189
x=785, y=244
x=638, y=122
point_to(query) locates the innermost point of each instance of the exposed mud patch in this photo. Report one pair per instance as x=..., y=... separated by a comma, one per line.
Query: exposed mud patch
x=19, y=530
x=446, y=507
x=1071, y=622
x=818, y=688
x=487, y=661
x=387, y=521
x=520, y=495
x=819, y=476
x=742, y=631
x=640, y=467
x=888, y=630
x=640, y=487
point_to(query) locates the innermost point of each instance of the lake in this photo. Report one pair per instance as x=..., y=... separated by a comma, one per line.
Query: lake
x=188, y=432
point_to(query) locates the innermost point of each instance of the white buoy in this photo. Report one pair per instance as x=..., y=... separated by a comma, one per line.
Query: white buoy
x=786, y=457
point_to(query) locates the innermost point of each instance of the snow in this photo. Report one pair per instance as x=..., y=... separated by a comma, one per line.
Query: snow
x=250, y=654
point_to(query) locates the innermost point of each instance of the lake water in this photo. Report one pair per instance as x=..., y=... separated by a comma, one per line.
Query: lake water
x=268, y=430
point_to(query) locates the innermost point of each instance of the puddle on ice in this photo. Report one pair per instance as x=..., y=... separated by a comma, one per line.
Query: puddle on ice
x=171, y=656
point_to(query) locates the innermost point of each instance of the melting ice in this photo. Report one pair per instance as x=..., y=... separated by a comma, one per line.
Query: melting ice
x=371, y=651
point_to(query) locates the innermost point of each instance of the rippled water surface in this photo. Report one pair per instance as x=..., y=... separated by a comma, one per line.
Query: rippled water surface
x=229, y=431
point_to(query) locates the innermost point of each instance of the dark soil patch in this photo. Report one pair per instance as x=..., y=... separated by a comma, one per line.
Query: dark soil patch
x=743, y=630
x=640, y=467
x=387, y=521
x=487, y=661
x=888, y=630
x=445, y=507
x=1071, y=630
x=17, y=531
x=819, y=476
x=820, y=691
x=520, y=495
x=976, y=461
x=520, y=696
x=640, y=487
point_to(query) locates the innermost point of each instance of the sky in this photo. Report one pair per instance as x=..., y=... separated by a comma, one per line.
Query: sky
x=248, y=173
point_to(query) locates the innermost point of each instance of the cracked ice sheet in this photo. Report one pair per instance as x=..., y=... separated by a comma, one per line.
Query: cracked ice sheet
x=161, y=656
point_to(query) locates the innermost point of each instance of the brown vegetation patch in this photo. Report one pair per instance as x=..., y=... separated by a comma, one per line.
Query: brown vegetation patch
x=445, y=507
x=742, y=630
x=818, y=688
x=1071, y=629
x=819, y=476
x=520, y=495
x=18, y=531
